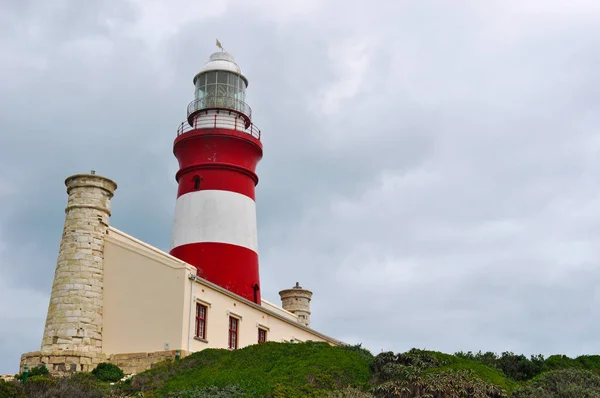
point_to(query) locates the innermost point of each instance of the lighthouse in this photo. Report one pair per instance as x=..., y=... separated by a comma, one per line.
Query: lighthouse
x=218, y=148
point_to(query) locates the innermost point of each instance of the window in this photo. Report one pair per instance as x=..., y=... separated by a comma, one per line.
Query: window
x=256, y=289
x=196, y=183
x=262, y=335
x=233, y=333
x=201, y=321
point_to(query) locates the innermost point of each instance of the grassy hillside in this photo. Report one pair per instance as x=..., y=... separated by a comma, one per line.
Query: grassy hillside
x=286, y=370
x=316, y=369
x=319, y=370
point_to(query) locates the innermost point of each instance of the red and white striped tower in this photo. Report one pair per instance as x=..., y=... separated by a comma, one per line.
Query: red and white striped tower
x=218, y=149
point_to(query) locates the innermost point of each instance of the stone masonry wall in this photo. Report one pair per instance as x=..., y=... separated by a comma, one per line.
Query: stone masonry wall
x=75, y=311
x=62, y=363
x=138, y=362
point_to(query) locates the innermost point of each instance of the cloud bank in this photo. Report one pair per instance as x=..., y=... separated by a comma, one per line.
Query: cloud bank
x=429, y=170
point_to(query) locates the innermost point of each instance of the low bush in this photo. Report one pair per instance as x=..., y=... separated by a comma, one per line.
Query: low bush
x=563, y=383
x=108, y=372
x=39, y=370
x=79, y=385
x=231, y=391
x=11, y=390
x=449, y=384
x=38, y=386
x=349, y=392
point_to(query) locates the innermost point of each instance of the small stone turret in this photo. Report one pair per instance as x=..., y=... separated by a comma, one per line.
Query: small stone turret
x=72, y=338
x=297, y=301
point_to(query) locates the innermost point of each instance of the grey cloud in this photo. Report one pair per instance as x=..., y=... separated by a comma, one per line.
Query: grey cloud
x=450, y=203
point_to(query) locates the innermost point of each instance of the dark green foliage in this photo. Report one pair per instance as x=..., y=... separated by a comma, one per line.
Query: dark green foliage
x=521, y=368
x=231, y=391
x=349, y=392
x=564, y=383
x=108, y=372
x=79, y=385
x=387, y=365
x=583, y=362
x=448, y=384
x=489, y=358
x=555, y=362
x=381, y=360
x=419, y=373
x=39, y=386
x=363, y=352
x=590, y=362
x=277, y=369
x=517, y=367
x=39, y=370
x=10, y=390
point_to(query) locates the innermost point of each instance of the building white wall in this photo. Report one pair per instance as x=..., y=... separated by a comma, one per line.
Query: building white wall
x=281, y=325
x=144, y=293
x=148, y=295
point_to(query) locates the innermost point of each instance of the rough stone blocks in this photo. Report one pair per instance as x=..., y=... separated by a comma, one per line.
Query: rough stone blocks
x=62, y=363
x=75, y=309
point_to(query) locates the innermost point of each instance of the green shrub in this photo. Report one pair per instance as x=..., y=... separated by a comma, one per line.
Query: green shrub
x=590, y=362
x=516, y=367
x=449, y=384
x=563, y=383
x=79, y=385
x=349, y=392
x=358, y=348
x=417, y=372
x=231, y=391
x=39, y=386
x=11, y=390
x=39, y=370
x=108, y=372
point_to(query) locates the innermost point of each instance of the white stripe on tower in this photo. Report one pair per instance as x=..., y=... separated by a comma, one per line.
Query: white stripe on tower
x=215, y=216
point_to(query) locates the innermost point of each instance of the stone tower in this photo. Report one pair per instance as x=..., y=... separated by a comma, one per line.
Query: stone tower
x=297, y=301
x=73, y=332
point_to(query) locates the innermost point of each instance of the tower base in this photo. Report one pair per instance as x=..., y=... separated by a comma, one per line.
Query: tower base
x=64, y=362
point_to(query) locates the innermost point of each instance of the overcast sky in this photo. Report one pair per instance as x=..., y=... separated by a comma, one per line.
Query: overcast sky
x=430, y=168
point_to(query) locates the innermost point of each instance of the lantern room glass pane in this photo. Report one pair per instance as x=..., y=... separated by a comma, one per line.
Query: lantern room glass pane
x=201, y=80
x=211, y=77
x=222, y=77
x=233, y=80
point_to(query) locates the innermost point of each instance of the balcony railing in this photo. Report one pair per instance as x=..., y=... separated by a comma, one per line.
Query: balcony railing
x=219, y=121
x=219, y=102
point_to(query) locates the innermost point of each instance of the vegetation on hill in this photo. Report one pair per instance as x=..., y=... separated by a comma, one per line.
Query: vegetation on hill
x=319, y=370
x=269, y=369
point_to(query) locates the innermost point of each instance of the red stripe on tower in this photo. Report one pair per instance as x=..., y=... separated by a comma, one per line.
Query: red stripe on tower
x=218, y=149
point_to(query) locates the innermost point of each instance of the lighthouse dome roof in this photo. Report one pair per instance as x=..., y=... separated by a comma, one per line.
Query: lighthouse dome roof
x=222, y=60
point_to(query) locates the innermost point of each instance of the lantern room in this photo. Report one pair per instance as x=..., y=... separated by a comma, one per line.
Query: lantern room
x=220, y=85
